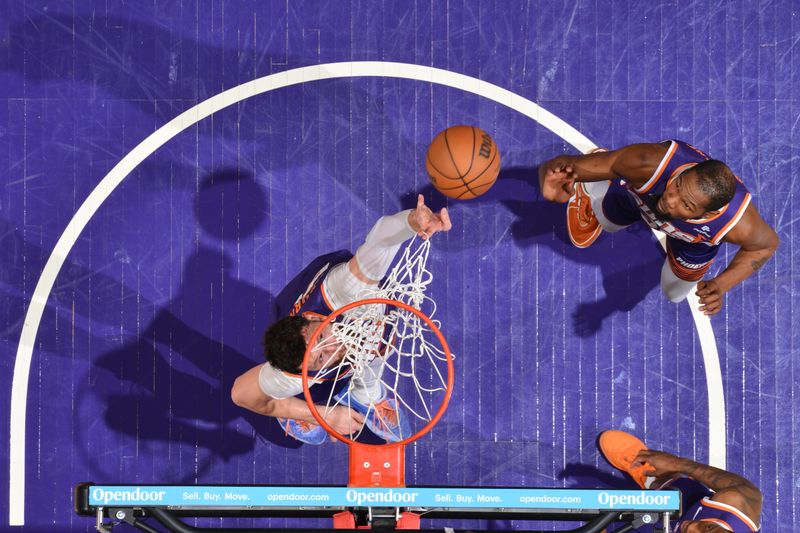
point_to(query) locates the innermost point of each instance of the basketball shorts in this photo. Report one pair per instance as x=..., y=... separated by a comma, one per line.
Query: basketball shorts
x=688, y=261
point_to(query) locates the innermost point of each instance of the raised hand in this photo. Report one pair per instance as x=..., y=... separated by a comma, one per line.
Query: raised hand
x=557, y=182
x=662, y=463
x=425, y=222
x=343, y=419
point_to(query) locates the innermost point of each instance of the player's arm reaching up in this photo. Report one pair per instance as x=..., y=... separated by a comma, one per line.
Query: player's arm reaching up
x=636, y=162
x=371, y=260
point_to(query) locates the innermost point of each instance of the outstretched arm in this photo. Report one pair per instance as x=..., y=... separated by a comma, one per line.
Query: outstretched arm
x=373, y=258
x=757, y=242
x=637, y=162
x=729, y=488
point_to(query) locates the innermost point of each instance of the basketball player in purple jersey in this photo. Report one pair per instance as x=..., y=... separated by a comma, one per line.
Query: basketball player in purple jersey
x=275, y=388
x=675, y=188
x=713, y=500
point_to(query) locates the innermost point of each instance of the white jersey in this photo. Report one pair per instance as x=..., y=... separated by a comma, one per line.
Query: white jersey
x=340, y=287
x=279, y=384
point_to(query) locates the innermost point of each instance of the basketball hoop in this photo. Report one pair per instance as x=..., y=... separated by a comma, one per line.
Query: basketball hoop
x=395, y=352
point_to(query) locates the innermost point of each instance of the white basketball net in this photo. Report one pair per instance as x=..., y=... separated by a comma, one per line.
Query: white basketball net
x=392, y=355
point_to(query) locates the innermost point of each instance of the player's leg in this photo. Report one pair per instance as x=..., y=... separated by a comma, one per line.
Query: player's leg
x=372, y=260
x=304, y=431
x=598, y=206
x=686, y=264
x=368, y=396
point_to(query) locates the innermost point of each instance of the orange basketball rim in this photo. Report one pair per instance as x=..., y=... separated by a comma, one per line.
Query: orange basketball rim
x=383, y=465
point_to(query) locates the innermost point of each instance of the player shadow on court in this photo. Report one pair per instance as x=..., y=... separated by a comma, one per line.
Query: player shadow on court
x=177, y=374
x=77, y=300
x=630, y=264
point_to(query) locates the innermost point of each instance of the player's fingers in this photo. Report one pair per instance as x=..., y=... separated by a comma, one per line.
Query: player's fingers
x=643, y=455
x=420, y=201
x=650, y=471
x=704, y=291
x=554, y=175
x=445, y=218
x=358, y=417
x=710, y=298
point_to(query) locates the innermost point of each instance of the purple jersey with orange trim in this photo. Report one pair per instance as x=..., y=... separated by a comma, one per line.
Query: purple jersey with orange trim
x=697, y=504
x=680, y=157
x=305, y=293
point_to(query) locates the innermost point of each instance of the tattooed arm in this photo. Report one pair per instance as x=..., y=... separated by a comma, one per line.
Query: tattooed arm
x=729, y=488
x=757, y=242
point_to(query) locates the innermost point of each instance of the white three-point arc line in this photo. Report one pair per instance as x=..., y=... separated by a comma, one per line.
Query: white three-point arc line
x=19, y=390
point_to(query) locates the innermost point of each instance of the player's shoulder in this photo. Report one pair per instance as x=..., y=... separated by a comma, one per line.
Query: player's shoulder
x=646, y=153
x=277, y=383
x=743, y=502
x=638, y=162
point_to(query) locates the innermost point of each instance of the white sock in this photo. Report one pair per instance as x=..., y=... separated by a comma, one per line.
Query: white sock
x=674, y=288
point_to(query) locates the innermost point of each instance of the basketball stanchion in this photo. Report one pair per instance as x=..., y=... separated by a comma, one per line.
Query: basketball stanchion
x=379, y=338
x=397, y=353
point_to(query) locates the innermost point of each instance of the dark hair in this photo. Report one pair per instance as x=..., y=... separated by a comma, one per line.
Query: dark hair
x=284, y=344
x=716, y=181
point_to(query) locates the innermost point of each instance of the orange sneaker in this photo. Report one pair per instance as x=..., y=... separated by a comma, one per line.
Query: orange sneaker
x=620, y=449
x=582, y=225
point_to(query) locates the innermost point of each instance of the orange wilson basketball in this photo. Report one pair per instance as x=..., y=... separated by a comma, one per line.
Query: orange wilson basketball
x=463, y=162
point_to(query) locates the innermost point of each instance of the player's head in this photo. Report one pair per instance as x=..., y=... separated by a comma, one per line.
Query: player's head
x=286, y=340
x=704, y=188
x=716, y=181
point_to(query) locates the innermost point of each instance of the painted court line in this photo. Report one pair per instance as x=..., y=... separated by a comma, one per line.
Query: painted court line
x=22, y=364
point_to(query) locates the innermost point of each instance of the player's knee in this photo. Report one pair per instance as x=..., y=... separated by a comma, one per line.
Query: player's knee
x=673, y=295
x=673, y=287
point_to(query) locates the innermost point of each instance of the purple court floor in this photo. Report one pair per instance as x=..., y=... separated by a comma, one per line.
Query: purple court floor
x=164, y=284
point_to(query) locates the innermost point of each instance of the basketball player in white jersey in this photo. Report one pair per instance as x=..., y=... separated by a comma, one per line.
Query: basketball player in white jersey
x=275, y=388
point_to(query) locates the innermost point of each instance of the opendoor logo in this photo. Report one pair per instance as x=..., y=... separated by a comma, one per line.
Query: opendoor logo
x=643, y=499
x=137, y=495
